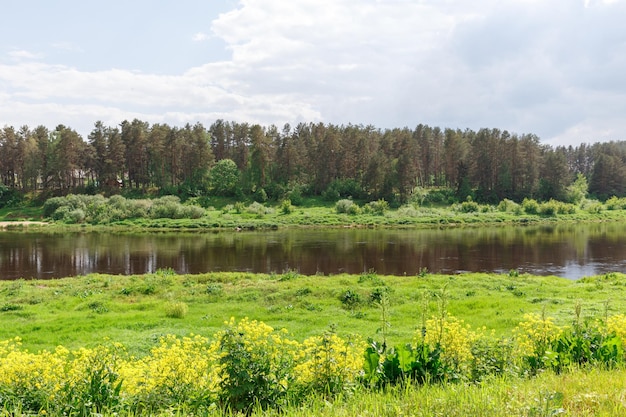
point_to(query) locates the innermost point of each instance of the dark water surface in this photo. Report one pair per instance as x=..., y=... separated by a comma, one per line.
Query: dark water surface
x=571, y=251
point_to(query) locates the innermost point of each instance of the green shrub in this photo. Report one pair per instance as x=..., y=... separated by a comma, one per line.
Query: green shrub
x=10, y=196
x=51, y=205
x=259, y=209
x=286, y=207
x=491, y=358
x=97, y=210
x=347, y=206
x=420, y=364
x=508, y=206
x=215, y=289
x=615, y=203
x=295, y=196
x=176, y=310
x=74, y=216
x=530, y=206
x=98, y=392
x=371, y=278
x=377, y=294
x=548, y=208
x=168, y=207
x=257, y=366
x=554, y=207
x=432, y=196
x=594, y=207
x=192, y=212
x=409, y=211
x=378, y=207
x=350, y=299
x=239, y=207
x=469, y=206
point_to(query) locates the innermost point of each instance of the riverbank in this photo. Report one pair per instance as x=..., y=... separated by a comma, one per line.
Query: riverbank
x=135, y=337
x=168, y=213
x=20, y=224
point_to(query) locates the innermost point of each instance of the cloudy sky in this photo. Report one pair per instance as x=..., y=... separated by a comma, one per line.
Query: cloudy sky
x=556, y=68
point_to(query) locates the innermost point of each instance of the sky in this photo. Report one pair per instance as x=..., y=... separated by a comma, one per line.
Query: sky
x=554, y=68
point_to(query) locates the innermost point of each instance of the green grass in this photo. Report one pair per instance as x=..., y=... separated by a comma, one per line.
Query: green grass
x=578, y=393
x=230, y=214
x=21, y=213
x=136, y=310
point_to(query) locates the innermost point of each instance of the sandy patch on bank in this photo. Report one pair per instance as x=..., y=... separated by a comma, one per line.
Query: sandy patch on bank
x=19, y=223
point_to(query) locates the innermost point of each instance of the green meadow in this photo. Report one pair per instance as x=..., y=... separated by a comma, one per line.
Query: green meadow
x=92, y=315
x=136, y=310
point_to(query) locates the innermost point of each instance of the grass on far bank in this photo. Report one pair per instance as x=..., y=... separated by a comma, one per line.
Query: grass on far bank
x=168, y=213
x=138, y=310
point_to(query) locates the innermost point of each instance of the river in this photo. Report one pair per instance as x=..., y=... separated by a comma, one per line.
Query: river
x=571, y=251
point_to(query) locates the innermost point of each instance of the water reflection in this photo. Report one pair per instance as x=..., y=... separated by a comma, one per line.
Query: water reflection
x=571, y=251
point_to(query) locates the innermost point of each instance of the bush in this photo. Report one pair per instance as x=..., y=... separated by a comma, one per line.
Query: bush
x=549, y=208
x=97, y=209
x=378, y=207
x=350, y=299
x=409, y=211
x=51, y=205
x=9, y=196
x=166, y=207
x=286, y=207
x=530, y=206
x=74, y=216
x=554, y=207
x=259, y=209
x=469, y=206
x=615, y=203
x=439, y=196
x=508, y=206
x=594, y=207
x=346, y=206
x=239, y=207
x=192, y=212
x=257, y=365
x=295, y=196
x=330, y=364
x=70, y=203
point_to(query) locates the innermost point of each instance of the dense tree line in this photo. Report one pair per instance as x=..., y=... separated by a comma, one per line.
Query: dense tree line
x=362, y=162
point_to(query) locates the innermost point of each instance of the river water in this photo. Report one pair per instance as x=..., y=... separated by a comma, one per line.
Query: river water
x=571, y=251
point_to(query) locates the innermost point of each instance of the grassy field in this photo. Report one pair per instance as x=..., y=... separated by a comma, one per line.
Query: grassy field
x=98, y=312
x=82, y=311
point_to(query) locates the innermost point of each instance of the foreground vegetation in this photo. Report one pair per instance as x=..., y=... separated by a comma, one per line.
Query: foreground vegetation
x=455, y=345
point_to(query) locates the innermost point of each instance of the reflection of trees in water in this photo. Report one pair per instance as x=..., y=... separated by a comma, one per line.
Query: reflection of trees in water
x=310, y=251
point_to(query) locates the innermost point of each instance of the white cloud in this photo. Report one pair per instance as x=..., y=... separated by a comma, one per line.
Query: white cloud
x=18, y=55
x=199, y=37
x=451, y=63
x=591, y=3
